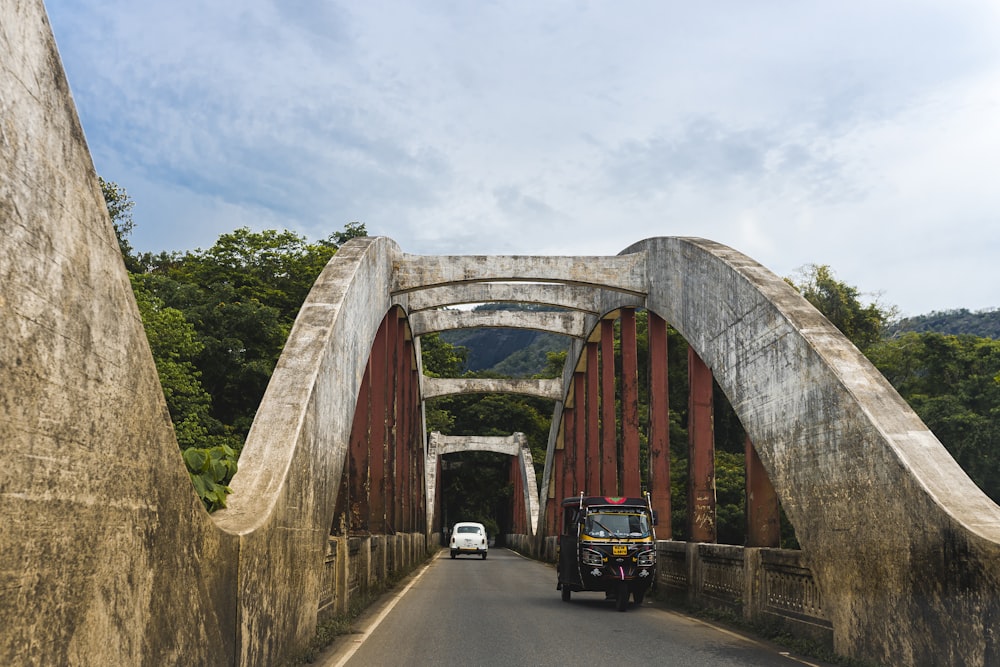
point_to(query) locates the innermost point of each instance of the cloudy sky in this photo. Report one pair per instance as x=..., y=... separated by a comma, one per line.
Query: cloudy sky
x=862, y=135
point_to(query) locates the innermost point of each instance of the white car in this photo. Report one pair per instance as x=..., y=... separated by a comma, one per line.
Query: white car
x=468, y=537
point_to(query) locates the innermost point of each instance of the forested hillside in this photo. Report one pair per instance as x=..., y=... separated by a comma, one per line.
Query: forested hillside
x=982, y=323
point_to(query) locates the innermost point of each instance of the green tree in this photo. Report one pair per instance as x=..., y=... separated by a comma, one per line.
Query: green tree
x=864, y=325
x=120, y=206
x=953, y=384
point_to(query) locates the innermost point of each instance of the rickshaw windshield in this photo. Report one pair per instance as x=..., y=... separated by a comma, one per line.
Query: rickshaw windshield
x=616, y=524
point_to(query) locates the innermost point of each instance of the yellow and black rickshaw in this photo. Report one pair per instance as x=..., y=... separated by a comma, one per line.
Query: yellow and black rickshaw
x=607, y=544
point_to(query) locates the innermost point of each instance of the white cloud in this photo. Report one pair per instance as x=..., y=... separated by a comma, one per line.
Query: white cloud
x=857, y=135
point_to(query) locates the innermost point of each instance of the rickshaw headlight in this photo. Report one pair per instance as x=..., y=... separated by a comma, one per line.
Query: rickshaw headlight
x=591, y=557
x=647, y=558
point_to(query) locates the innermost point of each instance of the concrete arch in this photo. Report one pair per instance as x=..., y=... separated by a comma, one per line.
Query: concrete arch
x=515, y=445
x=905, y=547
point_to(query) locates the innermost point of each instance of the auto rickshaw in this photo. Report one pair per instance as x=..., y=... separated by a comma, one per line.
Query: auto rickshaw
x=607, y=544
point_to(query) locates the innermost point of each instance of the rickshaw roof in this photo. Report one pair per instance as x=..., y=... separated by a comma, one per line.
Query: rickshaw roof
x=604, y=501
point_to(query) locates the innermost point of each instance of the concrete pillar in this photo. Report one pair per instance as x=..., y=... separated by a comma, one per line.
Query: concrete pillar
x=701, y=452
x=631, y=479
x=609, y=440
x=763, y=515
x=593, y=424
x=659, y=426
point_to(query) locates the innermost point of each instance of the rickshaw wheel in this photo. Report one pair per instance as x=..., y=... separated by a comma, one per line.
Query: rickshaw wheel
x=621, y=597
x=565, y=593
x=638, y=596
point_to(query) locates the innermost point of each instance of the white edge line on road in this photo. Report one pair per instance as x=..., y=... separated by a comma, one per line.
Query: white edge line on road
x=746, y=638
x=358, y=639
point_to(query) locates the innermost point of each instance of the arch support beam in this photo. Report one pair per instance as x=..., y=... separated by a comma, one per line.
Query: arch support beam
x=565, y=324
x=626, y=273
x=545, y=388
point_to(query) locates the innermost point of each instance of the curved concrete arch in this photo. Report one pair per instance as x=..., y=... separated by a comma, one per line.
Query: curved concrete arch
x=905, y=547
x=303, y=425
x=583, y=298
x=571, y=324
x=515, y=445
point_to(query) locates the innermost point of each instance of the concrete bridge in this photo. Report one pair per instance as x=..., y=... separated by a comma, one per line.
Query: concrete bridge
x=108, y=557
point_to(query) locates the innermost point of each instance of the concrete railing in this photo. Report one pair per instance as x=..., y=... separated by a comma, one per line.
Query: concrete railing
x=357, y=566
x=771, y=588
x=767, y=588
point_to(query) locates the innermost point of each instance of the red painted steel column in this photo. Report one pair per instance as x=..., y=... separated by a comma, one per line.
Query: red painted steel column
x=580, y=431
x=391, y=425
x=763, y=515
x=377, y=434
x=631, y=482
x=593, y=424
x=437, y=519
x=359, y=482
x=405, y=447
x=701, y=452
x=559, y=469
x=569, y=452
x=518, y=497
x=609, y=428
x=659, y=426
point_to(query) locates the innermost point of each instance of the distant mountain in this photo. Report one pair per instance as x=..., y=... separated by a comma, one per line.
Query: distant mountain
x=982, y=323
x=518, y=353
x=509, y=352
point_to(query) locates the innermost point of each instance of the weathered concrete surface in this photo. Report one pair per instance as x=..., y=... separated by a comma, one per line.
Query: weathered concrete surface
x=515, y=444
x=623, y=273
x=903, y=545
x=544, y=388
x=107, y=556
x=284, y=494
x=583, y=298
x=572, y=324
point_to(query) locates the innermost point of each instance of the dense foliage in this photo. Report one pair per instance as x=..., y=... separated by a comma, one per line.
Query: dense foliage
x=216, y=321
x=982, y=323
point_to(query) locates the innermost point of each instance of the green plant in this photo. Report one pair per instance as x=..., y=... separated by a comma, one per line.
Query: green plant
x=211, y=469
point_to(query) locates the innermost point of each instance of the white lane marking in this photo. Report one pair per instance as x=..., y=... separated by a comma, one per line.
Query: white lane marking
x=751, y=640
x=359, y=639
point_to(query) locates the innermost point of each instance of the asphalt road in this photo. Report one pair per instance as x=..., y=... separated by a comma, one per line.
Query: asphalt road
x=505, y=610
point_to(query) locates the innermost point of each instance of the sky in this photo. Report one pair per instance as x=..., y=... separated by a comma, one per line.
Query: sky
x=860, y=135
